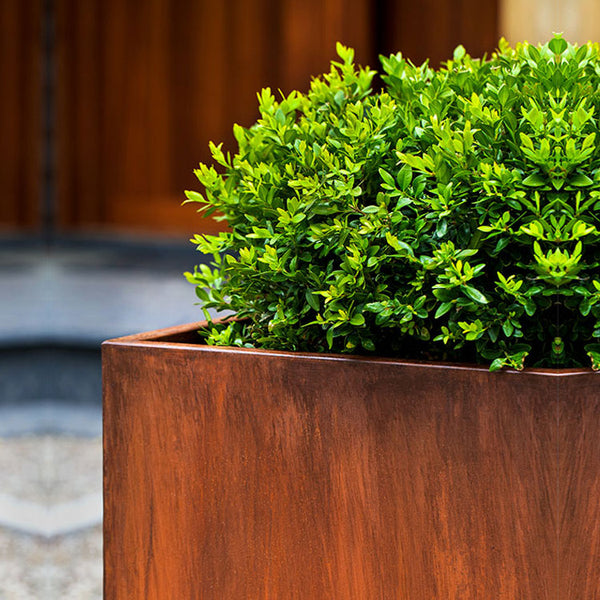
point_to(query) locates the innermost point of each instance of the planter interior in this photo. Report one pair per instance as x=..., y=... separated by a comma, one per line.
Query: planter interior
x=235, y=474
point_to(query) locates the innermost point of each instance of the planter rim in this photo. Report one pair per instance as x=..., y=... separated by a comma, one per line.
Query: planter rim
x=171, y=337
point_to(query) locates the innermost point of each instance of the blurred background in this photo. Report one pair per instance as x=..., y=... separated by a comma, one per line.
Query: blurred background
x=106, y=108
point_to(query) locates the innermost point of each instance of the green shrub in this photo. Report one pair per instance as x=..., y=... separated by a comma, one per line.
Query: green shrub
x=452, y=215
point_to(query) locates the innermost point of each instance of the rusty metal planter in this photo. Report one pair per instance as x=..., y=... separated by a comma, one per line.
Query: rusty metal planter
x=236, y=474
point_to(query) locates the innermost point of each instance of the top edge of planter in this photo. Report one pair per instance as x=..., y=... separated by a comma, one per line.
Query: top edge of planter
x=185, y=336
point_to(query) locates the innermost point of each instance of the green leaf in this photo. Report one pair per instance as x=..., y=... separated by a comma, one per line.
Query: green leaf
x=530, y=307
x=580, y=180
x=404, y=177
x=443, y=308
x=194, y=196
x=367, y=344
x=397, y=244
x=493, y=333
x=557, y=45
x=357, y=320
x=387, y=178
x=526, y=141
x=459, y=53
x=312, y=300
x=202, y=294
x=370, y=210
x=507, y=328
x=585, y=307
x=441, y=228
x=280, y=116
x=535, y=180
x=329, y=337
x=442, y=293
x=474, y=294
x=497, y=364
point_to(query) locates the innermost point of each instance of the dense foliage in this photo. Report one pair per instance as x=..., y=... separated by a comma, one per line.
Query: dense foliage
x=451, y=215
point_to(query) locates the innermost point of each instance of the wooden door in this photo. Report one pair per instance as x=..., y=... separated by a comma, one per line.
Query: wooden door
x=433, y=28
x=20, y=114
x=143, y=86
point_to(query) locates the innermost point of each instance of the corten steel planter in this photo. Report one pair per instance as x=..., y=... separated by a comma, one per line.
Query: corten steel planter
x=237, y=474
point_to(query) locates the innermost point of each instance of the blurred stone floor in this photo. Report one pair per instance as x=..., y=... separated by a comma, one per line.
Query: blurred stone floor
x=51, y=517
x=56, y=307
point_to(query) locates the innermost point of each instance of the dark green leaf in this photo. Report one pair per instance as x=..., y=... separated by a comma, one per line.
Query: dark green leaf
x=535, y=180
x=580, y=180
x=312, y=300
x=443, y=308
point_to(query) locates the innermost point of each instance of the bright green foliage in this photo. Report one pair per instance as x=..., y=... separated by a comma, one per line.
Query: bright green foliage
x=452, y=215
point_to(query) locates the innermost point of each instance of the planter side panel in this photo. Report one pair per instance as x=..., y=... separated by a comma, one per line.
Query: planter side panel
x=239, y=476
x=579, y=488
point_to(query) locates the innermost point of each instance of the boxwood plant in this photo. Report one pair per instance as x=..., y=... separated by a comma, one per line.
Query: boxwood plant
x=440, y=214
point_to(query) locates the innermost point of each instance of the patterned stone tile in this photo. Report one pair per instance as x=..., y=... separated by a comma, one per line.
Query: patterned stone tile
x=63, y=568
x=50, y=518
x=50, y=469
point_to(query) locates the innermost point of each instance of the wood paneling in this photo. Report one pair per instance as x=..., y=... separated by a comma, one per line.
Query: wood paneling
x=145, y=86
x=536, y=20
x=433, y=28
x=309, y=30
x=20, y=113
x=253, y=474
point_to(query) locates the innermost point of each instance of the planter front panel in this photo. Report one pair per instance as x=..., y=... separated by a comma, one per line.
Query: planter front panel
x=579, y=487
x=234, y=475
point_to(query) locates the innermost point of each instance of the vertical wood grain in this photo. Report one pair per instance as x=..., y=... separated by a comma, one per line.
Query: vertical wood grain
x=20, y=114
x=536, y=20
x=141, y=88
x=310, y=30
x=144, y=87
x=433, y=28
x=243, y=475
x=80, y=98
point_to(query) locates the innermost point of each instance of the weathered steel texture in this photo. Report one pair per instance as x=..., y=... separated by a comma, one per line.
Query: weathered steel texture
x=235, y=474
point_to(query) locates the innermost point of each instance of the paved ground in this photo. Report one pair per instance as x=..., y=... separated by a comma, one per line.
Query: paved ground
x=55, y=309
x=50, y=518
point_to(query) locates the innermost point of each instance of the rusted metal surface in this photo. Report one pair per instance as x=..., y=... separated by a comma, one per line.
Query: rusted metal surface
x=234, y=475
x=578, y=512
